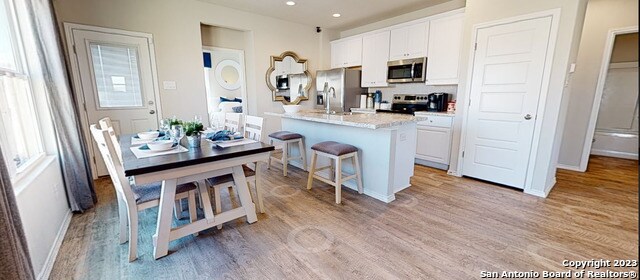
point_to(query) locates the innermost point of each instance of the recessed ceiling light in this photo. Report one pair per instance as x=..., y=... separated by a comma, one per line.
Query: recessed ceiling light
x=291, y=3
x=336, y=15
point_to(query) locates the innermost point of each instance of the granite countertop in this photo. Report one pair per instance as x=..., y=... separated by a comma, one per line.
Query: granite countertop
x=371, y=121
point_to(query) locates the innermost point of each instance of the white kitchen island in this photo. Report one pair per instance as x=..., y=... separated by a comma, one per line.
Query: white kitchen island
x=386, y=144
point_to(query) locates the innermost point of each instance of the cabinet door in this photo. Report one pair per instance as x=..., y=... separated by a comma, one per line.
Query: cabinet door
x=398, y=43
x=417, y=35
x=353, y=52
x=374, y=60
x=433, y=144
x=445, y=42
x=337, y=54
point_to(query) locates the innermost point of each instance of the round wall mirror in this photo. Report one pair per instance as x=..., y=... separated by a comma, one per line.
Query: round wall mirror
x=228, y=74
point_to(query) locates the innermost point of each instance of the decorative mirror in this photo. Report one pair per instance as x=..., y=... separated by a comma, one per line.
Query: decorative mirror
x=228, y=74
x=288, y=78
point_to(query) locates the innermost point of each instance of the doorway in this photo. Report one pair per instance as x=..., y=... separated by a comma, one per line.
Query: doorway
x=615, y=112
x=225, y=84
x=114, y=76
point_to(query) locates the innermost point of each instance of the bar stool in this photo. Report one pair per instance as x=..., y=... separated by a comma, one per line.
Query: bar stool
x=287, y=138
x=335, y=151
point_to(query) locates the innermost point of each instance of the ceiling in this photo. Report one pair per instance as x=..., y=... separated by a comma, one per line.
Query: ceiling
x=319, y=12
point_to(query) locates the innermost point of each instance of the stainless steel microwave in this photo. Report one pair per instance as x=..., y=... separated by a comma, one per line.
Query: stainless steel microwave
x=407, y=70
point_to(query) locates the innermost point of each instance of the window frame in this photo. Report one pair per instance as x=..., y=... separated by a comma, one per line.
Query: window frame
x=16, y=173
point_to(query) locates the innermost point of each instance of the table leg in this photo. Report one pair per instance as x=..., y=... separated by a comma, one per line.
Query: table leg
x=243, y=192
x=163, y=227
x=206, y=202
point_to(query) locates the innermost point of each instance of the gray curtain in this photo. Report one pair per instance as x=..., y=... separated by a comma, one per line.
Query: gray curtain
x=72, y=149
x=14, y=254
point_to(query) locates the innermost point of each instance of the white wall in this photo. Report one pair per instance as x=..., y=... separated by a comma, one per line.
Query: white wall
x=44, y=212
x=601, y=16
x=175, y=26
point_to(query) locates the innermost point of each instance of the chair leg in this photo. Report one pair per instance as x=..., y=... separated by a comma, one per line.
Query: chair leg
x=285, y=158
x=123, y=219
x=133, y=233
x=302, y=154
x=312, y=170
x=338, y=180
x=216, y=195
x=356, y=166
x=270, y=154
x=193, y=212
x=332, y=172
x=258, y=185
x=177, y=209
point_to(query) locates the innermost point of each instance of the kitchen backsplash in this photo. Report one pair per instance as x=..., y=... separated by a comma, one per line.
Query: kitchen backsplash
x=388, y=92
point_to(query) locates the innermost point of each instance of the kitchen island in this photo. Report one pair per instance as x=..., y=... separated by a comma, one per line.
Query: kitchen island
x=386, y=144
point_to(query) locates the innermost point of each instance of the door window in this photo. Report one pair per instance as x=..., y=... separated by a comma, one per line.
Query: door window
x=117, y=77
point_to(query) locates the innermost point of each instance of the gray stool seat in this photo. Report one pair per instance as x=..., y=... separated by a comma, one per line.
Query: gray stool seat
x=334, y=148
x=285, y=135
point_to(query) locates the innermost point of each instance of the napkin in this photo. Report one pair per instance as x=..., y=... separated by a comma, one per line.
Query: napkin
x=145, y=147
x=223, y=135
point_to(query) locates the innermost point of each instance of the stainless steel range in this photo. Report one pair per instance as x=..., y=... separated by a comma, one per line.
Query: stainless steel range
x=408, y=103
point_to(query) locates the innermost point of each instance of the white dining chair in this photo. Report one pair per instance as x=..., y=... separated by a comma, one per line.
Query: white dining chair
x=233, y=122
x=253, y=130
x=105, y=123
x=134, y=198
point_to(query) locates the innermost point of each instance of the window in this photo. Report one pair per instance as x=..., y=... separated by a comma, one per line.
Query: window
x=19, y=129
x=116, y=74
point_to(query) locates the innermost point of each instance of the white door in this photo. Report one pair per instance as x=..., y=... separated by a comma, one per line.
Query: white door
x=116, y=81
x=505, y=88
x=398, y=44
x=445, y=41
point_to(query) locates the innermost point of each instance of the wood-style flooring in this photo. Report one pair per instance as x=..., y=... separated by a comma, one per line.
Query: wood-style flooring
x=442, y=227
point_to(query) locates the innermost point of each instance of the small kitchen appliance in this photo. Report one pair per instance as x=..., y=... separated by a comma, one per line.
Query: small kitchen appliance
x=437, y=102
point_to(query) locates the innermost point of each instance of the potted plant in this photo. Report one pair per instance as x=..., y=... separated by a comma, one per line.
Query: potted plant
x=193, y=130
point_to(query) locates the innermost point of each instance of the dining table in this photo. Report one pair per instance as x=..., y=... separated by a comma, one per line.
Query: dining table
x=195, y=165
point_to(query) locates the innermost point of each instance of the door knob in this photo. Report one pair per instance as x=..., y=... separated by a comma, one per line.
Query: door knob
x=152, y=112
x=527, y=117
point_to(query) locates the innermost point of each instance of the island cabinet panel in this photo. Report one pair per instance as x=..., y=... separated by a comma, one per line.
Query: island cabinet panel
x=445, y=42
x=409, y=41
x=375, y=54
x=346, y=52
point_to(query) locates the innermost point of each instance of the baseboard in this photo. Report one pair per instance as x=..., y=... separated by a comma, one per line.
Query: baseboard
x=53, y=253
x=431, y=164
x=540, y=193
x=615, y=154
x=569, y=167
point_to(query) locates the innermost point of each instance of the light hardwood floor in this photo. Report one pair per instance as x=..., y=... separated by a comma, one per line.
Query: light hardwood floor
x=442, y=227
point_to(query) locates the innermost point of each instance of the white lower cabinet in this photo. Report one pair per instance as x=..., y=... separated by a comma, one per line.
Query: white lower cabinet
x=433, y=143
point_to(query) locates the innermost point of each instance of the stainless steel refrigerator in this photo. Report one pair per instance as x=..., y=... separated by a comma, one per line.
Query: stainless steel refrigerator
x=345, y=82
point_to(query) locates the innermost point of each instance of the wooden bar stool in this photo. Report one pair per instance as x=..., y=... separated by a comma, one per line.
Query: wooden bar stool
x=288, y=138
x=335, y=151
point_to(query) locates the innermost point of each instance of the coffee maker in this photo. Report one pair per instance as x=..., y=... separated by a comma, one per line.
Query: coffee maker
x=437, y=102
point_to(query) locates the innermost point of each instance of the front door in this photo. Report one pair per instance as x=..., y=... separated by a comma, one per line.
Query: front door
x=116, y=80
x=506, y=84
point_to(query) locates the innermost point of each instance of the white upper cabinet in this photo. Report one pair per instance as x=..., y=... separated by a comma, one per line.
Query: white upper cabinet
x=409, y=41
x=346, y=52
x=445, y=42
x=375, y=55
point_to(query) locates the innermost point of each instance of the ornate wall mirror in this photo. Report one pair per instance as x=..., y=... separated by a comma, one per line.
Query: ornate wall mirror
x=288, y=78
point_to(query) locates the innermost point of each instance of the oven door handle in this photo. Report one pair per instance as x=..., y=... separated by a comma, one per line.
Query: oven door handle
x=413, y=67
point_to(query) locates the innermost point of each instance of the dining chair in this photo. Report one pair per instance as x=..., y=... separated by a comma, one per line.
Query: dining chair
x=105, y=123
x=233, y=122
x=252, y=130
x=134, y=198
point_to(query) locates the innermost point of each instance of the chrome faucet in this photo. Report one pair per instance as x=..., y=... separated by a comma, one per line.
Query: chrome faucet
x=326, y=91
